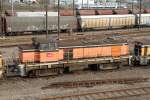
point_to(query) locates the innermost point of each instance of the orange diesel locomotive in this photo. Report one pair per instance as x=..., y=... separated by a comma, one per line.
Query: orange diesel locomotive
x=53, y=57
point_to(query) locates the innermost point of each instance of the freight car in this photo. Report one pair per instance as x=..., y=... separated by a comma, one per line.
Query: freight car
x=37, y=24
x=106, y=21
x=145, y=19
x=14, y=24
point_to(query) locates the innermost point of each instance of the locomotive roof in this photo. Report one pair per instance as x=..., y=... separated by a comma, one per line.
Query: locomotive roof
x=81, y=42
x=75, y=43
x=144, y=42
x=27, y=47
x=90, y=43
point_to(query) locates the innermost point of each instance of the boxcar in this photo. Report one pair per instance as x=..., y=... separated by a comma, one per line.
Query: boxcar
x=106, y=21
x=37, y=24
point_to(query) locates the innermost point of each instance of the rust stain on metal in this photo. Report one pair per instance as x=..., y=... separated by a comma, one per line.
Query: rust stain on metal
x=91, y=83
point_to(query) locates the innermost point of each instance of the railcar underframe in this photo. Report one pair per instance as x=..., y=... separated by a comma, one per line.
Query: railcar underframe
x=55, y=68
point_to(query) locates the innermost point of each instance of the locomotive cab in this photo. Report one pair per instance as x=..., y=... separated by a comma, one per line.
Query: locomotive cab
x=142, y=53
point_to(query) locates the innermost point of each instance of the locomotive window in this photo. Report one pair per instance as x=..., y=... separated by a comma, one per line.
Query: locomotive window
x=48, y=46
x=68, y=54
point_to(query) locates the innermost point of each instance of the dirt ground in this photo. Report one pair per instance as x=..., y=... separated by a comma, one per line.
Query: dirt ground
x=31, y=89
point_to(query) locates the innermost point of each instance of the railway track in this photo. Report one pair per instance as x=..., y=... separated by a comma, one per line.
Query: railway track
x=91, y=83
x=106, y=95
x=27, y=39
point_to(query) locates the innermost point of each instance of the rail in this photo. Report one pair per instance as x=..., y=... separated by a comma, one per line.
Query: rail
x=27, y=39
x=91, y=83
x=106, y=95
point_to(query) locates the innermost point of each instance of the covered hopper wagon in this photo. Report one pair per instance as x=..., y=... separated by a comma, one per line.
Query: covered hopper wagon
x=106, y=21
x=19, y=25
x=37, y=24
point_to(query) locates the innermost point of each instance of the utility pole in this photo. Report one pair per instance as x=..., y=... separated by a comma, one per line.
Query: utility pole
x=132, y=6
x=12, y=7
x=1, y=19
x=140, y=13
x=46, y=9
x=58, y=19
x=73, y=8
x=1, y=8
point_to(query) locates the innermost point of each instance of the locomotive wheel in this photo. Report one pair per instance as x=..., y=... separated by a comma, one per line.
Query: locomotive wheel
x=94, y=67
x=66, y=70
x=110, y=66
x=45, y=72
x=31, y=74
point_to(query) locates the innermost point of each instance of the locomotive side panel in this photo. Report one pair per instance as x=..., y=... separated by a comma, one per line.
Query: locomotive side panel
x=48, y=56
x=29, y=56
x=125, y=50
x=101, y=51
x=78, y=53
x=40, y=57
x=105, y=51
x=116, y=51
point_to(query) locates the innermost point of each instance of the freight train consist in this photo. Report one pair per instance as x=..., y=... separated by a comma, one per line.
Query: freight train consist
x=12, y=25
x=51, y=57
